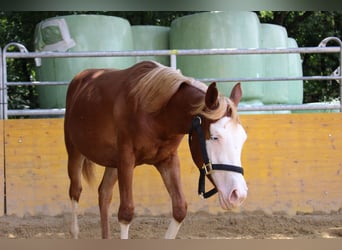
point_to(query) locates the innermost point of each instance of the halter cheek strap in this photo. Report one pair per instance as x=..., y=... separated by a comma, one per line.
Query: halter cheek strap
x=207, y=167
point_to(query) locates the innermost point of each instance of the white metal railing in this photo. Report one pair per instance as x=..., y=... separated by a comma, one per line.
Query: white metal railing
x=24, y=53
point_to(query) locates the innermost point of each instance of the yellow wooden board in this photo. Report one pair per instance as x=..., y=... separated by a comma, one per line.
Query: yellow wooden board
x=2, y=191
x=36, y=166
x=292, y=163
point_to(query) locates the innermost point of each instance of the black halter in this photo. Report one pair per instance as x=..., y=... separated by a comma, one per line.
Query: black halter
x=207, y=167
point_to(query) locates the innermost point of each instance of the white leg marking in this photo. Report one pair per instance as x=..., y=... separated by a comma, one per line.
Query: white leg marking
x=124, y=228
x=74, y=222
x=172, y=231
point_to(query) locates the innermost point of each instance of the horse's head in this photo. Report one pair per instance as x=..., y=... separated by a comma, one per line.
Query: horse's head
x=216, y=146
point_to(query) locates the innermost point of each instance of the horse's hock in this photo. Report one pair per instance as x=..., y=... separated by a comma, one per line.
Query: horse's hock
x=292, y=164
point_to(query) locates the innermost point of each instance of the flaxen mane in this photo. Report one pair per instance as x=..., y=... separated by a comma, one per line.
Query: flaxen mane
x=152, y=97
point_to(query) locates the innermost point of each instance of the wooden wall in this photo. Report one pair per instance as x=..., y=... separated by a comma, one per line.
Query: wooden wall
x=293, y=163
x=2, y=169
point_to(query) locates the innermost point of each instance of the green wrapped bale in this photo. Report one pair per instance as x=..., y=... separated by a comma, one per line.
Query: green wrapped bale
x=150, y=37
x=78, y=33
x=215, y=30
x=275, y=65
x=295, y=88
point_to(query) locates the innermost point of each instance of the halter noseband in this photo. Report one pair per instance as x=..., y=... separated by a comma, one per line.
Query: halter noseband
x=207, y=167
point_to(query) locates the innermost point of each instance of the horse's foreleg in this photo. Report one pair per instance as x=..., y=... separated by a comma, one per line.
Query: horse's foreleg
x=126, y=208
x=109, y=179
x=173, y=229
x=74, y=171
x=124, y=230
x=170, y=173
x=74, y=230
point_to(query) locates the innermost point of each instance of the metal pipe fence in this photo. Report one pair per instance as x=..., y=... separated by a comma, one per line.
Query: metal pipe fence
x=1, y=85
x=173, y=54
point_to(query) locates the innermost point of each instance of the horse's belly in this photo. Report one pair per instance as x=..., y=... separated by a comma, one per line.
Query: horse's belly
x=96, y=143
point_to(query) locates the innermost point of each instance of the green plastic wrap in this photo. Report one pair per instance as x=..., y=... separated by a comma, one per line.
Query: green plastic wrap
x=220, y=30
x=239, y=29
x=295, y=70
x=150, y=37
x=78, y=33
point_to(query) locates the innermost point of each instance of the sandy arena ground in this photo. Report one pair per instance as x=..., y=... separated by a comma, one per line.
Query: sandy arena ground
x=200, y=225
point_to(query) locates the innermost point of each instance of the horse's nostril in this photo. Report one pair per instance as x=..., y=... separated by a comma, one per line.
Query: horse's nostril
x=236, y=198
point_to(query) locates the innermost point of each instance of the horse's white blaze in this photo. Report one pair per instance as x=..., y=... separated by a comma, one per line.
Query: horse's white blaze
x=224, y=147
x=74, y=230
x=124, y=228
x=172, y=230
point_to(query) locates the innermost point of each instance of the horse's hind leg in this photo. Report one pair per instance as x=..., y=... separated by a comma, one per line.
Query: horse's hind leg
x=109, y=179
x=75, y=160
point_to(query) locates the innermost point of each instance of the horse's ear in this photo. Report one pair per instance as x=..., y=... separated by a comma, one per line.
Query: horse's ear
x=211, y=96
x=236, y=94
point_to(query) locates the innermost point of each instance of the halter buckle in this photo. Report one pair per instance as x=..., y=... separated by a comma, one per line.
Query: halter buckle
x=199, y=119
x=208, y=168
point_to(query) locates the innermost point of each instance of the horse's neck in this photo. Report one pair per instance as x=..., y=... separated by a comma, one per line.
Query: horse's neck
x=177, y=114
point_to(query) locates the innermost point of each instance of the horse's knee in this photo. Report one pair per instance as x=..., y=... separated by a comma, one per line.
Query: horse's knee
x=75, y=192
x=126, y=213
x=179, y=212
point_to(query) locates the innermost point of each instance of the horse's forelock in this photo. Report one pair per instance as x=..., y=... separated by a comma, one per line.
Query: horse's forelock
x=225, y=105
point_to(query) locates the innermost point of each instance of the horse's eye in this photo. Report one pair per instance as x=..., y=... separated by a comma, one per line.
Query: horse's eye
x=214, y=138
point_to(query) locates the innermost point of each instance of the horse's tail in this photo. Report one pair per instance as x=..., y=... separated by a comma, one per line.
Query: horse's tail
x=88, y=171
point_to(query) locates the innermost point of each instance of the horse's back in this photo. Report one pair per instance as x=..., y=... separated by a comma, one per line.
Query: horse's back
x=81, y=82
x=107, y=80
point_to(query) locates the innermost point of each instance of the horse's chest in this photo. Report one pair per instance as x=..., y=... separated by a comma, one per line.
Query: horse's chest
x=152, y=153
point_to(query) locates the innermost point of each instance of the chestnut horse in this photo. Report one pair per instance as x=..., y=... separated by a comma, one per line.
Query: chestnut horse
x=123, y=118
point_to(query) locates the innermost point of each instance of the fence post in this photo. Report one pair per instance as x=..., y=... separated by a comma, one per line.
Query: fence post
x=2, y=163
x=4, y=102
x=323, y=43
x=1, y=86
x=173, y=59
